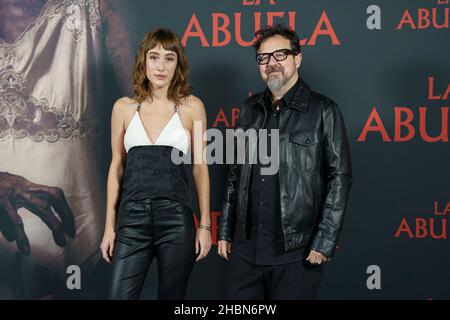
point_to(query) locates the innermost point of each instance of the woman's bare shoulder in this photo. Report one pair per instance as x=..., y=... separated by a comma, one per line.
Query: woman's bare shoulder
x=192, y=101
x=125, y=103
x=125, y=106
x=192, y=104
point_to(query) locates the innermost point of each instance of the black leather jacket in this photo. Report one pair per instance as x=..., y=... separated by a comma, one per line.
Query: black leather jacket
x=314, y=172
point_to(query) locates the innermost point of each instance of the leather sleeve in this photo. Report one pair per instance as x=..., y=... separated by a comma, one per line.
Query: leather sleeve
x=228, y=219
x=338, y=176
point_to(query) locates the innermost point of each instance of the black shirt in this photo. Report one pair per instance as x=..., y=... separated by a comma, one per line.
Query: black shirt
x=266, y=243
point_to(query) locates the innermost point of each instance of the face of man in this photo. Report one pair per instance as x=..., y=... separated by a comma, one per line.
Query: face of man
x=279, y=74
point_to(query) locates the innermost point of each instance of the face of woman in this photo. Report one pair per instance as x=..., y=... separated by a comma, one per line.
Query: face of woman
x=160, y=66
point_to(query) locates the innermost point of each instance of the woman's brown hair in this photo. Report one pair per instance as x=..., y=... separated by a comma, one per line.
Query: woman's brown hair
x=179, y=86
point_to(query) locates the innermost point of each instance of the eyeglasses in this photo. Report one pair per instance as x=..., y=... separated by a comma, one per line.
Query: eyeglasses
x=279, y=55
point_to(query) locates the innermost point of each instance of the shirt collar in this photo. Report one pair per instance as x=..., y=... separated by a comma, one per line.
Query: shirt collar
x=287, y=98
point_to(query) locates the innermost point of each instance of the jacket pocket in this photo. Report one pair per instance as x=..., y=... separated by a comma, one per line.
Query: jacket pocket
x=306, y=148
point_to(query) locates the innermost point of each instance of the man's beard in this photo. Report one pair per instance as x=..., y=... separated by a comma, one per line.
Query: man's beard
x=275, y=83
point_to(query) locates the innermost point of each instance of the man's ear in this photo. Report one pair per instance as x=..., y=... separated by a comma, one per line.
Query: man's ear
x=298, y=60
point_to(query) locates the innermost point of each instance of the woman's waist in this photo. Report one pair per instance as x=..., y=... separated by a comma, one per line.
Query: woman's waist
x=151, y=196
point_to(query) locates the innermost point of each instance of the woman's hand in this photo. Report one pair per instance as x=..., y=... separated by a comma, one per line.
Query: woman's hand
x=107, y=245
x=202, y=243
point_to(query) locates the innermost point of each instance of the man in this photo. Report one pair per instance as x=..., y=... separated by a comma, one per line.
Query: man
x=52, y=130
x=285, y=226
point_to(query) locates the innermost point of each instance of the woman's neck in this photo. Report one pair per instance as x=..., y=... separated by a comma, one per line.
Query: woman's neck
x=159, y=95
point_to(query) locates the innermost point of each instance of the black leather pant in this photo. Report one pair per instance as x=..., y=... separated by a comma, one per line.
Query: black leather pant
x=146, y=229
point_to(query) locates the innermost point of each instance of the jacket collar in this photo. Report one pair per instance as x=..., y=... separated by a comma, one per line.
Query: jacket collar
x=299, y=101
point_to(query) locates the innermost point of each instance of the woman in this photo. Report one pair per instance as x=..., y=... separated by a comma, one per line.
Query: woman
x=155, y=215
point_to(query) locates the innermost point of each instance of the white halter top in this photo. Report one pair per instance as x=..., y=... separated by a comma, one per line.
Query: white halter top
x=173, y=134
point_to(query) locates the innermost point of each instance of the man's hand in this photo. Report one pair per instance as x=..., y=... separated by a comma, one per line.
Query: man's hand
x=224, y=248
x=316, y=258
x=17, y=192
